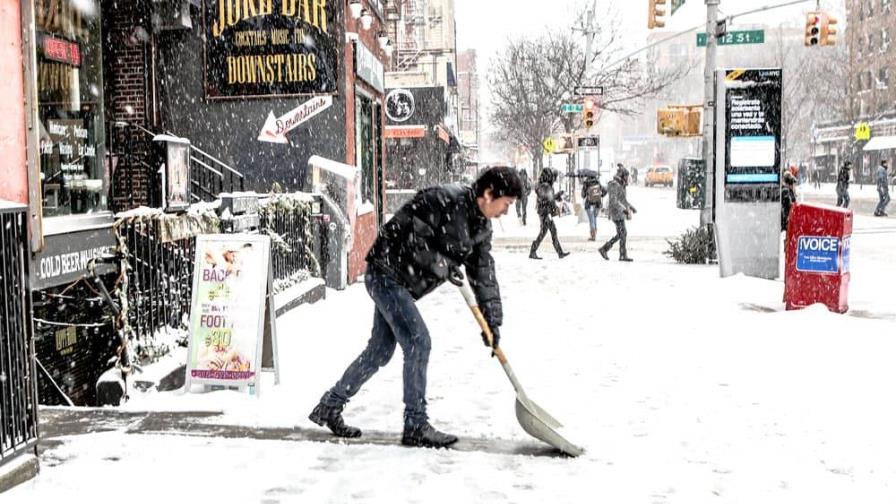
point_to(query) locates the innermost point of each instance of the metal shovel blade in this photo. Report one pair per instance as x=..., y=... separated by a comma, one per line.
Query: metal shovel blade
x=538, y=423
x=532, y=417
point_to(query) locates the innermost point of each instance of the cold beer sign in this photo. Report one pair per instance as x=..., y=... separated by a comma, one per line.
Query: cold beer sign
x=270, y=47
x=822, y=254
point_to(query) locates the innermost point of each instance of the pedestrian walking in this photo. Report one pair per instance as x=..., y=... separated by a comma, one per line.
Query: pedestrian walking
x=523, y=200
x=546, y=204
x=423, y=245
x=816, y=177
x=618, y=210
x=843, y=184
x=788, y=198
x=883, y=190
x=592, y=194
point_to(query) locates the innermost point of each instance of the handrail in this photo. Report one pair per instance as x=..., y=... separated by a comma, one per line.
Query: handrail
x=213, y=158
x=207, y=166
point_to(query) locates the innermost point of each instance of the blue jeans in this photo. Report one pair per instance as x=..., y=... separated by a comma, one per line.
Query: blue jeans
x=396, y=320
x=591, y=211
x=884, y=201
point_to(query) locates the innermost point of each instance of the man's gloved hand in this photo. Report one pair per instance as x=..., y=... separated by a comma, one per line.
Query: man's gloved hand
x=455, y=276
x=496, y=336
x=634, y=211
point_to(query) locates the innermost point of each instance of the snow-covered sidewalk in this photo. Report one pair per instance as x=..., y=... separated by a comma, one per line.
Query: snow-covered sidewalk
x=683, y=387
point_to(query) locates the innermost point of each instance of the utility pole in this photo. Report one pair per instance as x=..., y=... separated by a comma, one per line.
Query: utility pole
x=709, y=107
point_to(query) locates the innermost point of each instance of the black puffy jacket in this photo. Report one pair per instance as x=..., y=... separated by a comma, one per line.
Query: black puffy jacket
x=546, y=204
x=440, y=228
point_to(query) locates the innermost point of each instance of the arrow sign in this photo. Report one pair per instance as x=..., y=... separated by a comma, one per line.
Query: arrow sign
x=276, y=128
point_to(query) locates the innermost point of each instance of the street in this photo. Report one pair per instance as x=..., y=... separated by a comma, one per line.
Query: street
x=682, y=387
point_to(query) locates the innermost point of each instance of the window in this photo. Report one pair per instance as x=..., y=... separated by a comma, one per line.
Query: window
x=884, y=39
x=883, y=78
x=70, y=108
x=885, y=5
x=869, y=38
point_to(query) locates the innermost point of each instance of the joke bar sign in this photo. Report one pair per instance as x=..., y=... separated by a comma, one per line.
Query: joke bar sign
x=270, y=47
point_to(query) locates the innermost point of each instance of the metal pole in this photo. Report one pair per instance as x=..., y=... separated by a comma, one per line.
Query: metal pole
x=709, y=105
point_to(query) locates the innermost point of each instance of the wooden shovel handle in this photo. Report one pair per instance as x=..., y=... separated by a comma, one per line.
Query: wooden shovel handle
x=477, y=313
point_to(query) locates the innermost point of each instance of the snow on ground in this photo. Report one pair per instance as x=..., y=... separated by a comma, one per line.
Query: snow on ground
x=683, y=388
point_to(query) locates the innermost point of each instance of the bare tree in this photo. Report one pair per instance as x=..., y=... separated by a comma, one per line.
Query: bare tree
x=814, y=88
x=532, y=77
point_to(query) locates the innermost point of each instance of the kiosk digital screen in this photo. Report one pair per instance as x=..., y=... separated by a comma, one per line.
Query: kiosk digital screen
x=752, y=133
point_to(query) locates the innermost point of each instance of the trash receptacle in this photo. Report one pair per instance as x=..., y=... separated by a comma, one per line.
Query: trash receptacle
x=817, y=257
x=691, y=184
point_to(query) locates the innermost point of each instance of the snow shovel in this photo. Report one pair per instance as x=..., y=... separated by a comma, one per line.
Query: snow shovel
x=533, y=419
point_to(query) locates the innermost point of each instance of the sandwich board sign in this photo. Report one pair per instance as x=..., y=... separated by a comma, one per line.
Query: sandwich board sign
x=232, y=322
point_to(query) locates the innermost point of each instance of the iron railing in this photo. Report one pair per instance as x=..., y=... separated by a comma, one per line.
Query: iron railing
x=18, y=381
x=135, y=163
x=161, y=259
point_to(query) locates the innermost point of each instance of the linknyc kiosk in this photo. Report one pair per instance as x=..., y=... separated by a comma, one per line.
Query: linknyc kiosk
x=747, y=171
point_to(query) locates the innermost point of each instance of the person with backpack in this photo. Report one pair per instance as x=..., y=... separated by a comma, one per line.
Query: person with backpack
x=523, y=200
x=592, y=195
x=547, y=209
x=619, y=210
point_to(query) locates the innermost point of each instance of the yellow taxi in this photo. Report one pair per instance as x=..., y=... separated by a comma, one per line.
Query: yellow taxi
x=658, y=175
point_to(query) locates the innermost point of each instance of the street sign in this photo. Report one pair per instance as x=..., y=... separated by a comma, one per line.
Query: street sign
x=589, y=90
x=675, y=5
x=571, y=108
x=589, y=142
x=863, y=131
x=735, y=38
x=549, y=145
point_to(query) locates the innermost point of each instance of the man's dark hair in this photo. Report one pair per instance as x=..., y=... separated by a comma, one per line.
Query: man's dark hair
x=502, y=180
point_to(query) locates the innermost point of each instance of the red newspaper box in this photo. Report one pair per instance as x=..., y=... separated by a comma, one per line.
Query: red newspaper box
x=817, y=257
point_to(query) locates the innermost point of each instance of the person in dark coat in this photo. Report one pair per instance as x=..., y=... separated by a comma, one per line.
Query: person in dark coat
x=618, y=210
x=788, y=198
x=883, y=190
x=523, y=200
x=425, y=243
x=843, y=185
x=592, y=194
x=546, y=205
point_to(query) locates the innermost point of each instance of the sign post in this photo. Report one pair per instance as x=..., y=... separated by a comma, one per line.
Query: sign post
x=232, y=319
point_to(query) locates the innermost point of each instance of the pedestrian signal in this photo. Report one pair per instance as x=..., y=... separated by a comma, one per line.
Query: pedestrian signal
x=828, y=31
x=655, y=14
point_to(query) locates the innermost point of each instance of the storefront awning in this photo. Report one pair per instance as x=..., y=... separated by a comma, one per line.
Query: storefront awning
x=881, y=143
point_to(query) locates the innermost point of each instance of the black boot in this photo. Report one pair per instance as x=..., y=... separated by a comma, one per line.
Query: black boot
x=532, y=254
x=332, y=417
x=562, y=254
x=603, y=253
x=426, y=435
x=625, y=258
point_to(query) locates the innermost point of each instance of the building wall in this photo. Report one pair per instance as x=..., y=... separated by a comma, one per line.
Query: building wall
x=468, y=99
x=366, y=225
x=126, y=80
x=13, y=172
x=871, y=38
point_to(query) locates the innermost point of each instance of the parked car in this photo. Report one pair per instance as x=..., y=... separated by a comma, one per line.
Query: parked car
x=658, y=175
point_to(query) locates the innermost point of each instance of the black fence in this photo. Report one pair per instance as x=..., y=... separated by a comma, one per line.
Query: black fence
x=18, y=387
x=160, y=250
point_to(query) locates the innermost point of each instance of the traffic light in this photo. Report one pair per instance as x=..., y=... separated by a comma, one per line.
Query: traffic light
x=589, y=113
x=655, y=14
x=813, y=28
x=828, y=31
